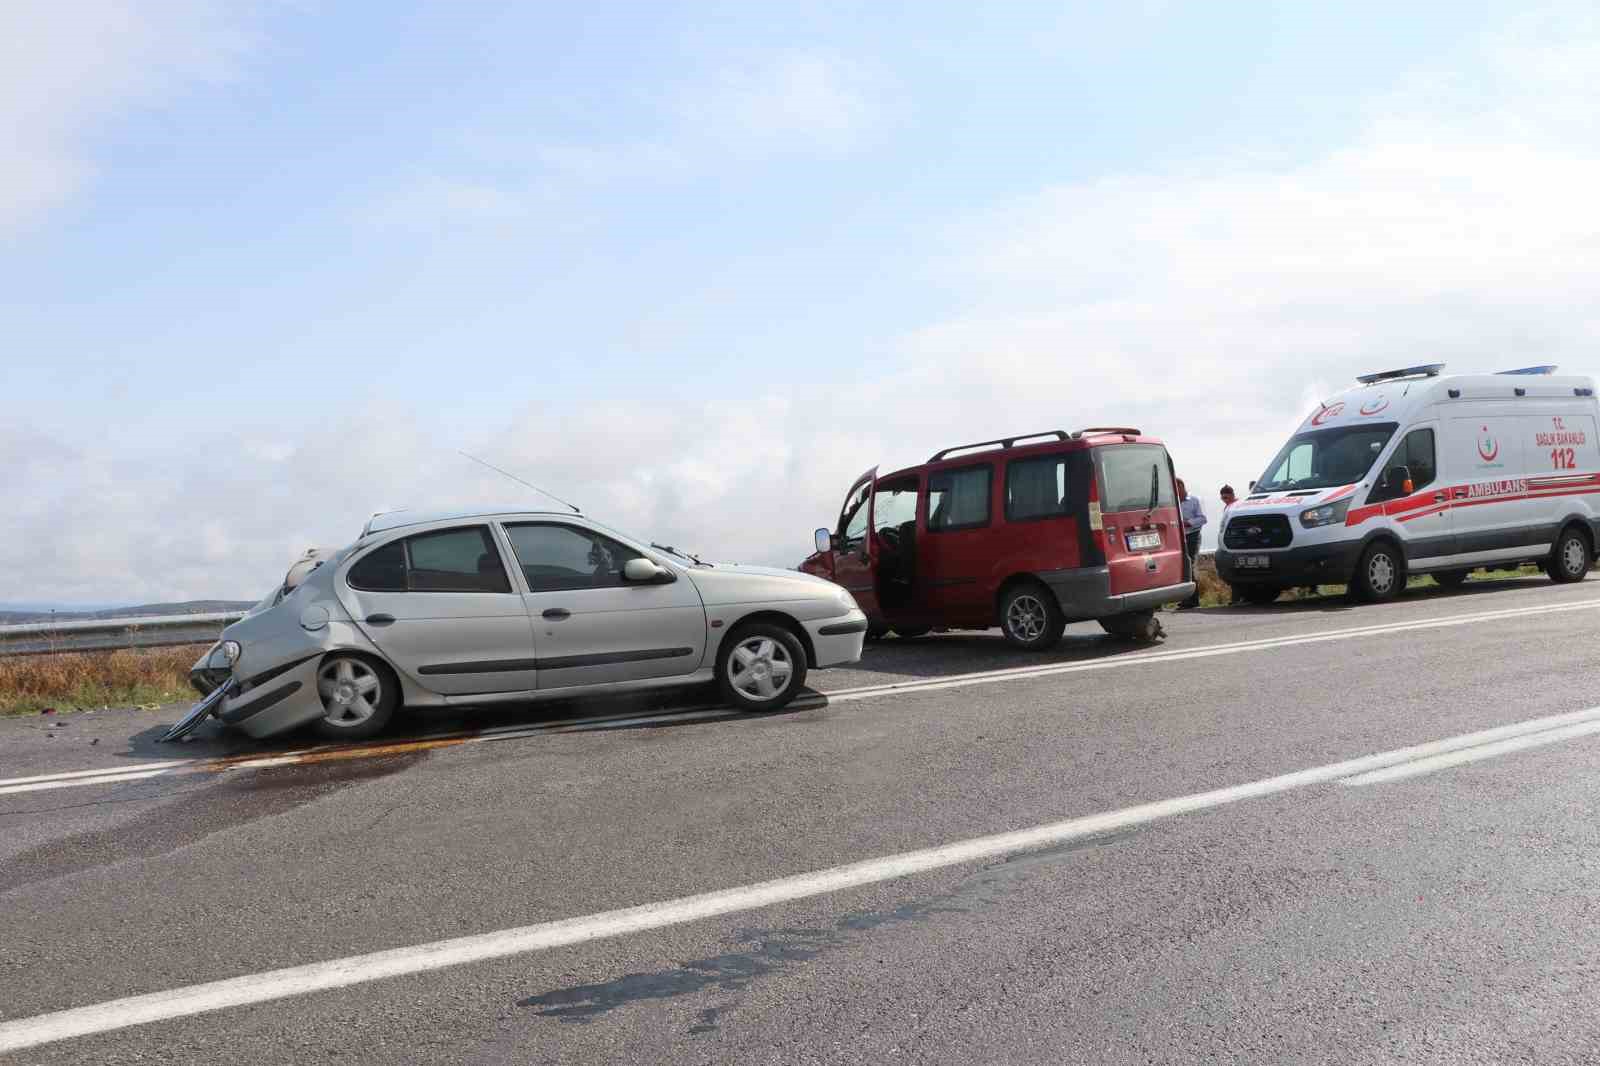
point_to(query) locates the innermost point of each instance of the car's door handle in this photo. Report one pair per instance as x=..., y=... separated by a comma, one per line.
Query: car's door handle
x=558, y=613
x=380, y=619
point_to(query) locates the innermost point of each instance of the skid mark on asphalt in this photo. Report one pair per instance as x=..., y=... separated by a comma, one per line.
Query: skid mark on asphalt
x=773, y=950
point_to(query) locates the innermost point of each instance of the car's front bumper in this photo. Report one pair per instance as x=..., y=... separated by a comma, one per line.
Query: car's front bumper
x=838, y=640
x=1311, y=564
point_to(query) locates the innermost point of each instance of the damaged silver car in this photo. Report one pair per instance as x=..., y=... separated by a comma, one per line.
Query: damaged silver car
x=434, y=610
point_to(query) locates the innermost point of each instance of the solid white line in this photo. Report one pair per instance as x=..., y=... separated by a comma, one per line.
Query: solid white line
x=422, y=958
x=103, y=771
x=1470, y=755
x=107, y=779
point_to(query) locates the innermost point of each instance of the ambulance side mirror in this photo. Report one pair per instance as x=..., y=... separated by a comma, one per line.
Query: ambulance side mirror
x=1397, y=481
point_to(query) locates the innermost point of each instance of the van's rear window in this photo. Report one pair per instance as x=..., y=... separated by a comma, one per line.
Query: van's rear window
x=1128, y=472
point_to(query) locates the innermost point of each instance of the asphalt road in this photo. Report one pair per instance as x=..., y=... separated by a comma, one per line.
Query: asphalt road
x=1429, y=905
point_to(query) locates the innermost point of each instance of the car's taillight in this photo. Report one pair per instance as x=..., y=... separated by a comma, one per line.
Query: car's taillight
x=1096, y=525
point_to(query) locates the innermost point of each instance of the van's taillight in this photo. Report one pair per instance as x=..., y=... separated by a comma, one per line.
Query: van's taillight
x=1096, y=525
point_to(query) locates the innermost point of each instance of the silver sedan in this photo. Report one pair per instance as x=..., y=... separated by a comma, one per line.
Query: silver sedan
x=511, y=607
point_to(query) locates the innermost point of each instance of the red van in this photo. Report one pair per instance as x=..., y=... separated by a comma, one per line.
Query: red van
x=1028, y=533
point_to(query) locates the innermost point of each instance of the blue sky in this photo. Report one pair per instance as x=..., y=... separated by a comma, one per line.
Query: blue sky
x=263, y=267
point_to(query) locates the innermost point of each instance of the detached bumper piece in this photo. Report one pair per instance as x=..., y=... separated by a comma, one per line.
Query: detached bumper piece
x=197, y=714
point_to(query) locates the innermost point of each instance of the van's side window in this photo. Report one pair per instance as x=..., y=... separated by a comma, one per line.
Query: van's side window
x=1416, y=454
x=959, y=499
x=1036, y=488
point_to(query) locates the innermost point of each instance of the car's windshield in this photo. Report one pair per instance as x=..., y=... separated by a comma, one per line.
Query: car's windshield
x=1325, y=458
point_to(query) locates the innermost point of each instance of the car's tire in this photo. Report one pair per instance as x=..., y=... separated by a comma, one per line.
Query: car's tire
x=1141, y=626
x=1381, y=574
x=1569, y=557
x=912, y=632
x=1260, y=595
x=358, y=696
x=1451, y=579
x=761, y=667
x=1030, y=617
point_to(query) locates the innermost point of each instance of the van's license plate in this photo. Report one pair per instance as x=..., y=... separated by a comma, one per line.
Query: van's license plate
x=1139, y=542
x=1253, y=562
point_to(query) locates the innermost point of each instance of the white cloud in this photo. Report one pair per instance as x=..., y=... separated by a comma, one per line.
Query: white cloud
x=66, y=67
x=796, y=101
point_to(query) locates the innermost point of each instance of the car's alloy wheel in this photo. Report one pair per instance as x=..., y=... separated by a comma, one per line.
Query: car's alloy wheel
x=1030, y=618
x=762, y=667
x=358, y=697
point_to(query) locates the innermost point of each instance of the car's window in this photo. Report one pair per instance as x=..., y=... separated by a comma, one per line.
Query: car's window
x=1036, y=488
x=894, y=505
x=555, y=557
x=853, y=519
x=382, y=570
x=1416, y=454
x=959, y=499
x=1128, y=475
x=455, y=560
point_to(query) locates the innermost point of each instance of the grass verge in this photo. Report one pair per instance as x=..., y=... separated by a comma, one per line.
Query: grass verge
x=89, y=680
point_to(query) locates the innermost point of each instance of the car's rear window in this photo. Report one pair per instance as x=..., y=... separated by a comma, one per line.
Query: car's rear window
x=1127, y=473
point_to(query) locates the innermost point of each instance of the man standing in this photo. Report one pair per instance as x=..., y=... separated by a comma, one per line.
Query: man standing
x=1228, y=500
x=1193, y=516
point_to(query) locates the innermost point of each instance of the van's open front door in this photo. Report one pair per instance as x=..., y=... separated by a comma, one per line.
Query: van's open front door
x=855, y=564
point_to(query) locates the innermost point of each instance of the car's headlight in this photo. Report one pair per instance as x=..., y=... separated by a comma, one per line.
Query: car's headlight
x=1326, y=515
x=223, y=656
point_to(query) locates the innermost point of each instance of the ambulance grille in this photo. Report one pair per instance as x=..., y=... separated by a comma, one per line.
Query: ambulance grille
x=1257, y=531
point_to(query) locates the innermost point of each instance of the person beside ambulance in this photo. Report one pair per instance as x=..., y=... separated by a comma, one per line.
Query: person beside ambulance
x=1193, y=517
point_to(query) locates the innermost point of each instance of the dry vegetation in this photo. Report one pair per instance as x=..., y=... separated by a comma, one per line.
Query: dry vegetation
x=69, y=681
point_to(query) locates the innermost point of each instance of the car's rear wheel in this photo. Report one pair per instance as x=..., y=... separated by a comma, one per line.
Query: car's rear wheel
x=1381, y=574
x=761, y=668
x=1030, y=617
x=1260, y=595
x=1451, y=579
x=1142, y=626
x=358, y=697
x=1569, y=558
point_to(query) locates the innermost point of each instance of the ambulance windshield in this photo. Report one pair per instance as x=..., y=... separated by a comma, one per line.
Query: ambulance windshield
x=1326, y=458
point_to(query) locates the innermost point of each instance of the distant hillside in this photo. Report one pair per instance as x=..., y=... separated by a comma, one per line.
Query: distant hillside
x=22, y=617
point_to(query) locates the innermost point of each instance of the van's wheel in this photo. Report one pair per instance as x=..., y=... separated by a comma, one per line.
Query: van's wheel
x=1030, y=617
x=1142, y=626
x=1569, y=558
x=358, y=697
x=1451, y=579
x=912, y=632
x=761, y=668
x=1260, y=595
x=1381, y=574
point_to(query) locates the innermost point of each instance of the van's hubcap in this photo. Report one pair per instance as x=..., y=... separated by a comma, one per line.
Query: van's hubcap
x=1380, y=572
x=1026, y=617
x=350, y=691
x=1573, y=555
x=760, y=668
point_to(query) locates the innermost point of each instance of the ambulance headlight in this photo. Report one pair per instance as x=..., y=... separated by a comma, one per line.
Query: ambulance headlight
x=1327, y=515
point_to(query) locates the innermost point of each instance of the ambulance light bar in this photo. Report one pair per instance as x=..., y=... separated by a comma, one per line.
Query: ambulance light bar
x=1429, y=370
x=1532, y=370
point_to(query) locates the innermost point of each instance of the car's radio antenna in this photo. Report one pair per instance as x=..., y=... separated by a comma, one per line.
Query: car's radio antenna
x=519, y=481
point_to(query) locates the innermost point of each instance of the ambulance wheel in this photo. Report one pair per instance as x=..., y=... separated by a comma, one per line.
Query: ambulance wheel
x=1030, y=617
x=1260, y=595
x=1569, y=559
x=1381, y=574
x=1451, y=579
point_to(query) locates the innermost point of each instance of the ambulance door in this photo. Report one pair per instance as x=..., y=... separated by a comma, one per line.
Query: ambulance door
x=1416, y=497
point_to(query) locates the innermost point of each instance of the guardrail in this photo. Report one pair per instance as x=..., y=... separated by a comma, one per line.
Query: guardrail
x=106, y=634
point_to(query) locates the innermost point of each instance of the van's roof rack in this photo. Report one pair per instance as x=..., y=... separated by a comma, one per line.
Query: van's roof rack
x=1004, y=442
x=1427, y=370
x=1093, y=430
x=1532, y=370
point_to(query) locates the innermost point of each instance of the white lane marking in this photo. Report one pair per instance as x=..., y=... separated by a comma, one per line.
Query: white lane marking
x=1471, y=755
x=851, y=695
x=106, y=779
x=1178, y=655
x=422, y=958
x=103, y=771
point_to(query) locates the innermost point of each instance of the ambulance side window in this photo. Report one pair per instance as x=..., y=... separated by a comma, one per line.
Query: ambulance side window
x=1416, y=454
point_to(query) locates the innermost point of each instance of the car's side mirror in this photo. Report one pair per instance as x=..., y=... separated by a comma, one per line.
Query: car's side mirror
x=642, y=571
x=824, y=540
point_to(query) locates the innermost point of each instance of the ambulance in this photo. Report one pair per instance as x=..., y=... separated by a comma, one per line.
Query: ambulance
x=1416, y=472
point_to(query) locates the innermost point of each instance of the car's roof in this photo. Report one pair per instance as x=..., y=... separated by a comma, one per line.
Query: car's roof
x=387, y=520
x=987, y=451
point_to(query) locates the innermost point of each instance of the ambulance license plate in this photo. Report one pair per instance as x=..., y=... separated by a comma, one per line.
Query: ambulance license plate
x=1253, y=562
x=1140, y=542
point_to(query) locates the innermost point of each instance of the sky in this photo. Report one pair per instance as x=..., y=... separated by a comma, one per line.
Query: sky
x=267, y=267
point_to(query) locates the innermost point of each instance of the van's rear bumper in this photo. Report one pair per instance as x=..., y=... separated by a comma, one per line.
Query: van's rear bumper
x=1314, y=564
x=1085, y=592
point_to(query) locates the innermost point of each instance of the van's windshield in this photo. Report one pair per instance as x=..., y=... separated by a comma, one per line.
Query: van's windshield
x=1325, y=458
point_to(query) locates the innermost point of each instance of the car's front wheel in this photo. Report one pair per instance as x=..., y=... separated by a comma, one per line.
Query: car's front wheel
x=762, y=667
x=1142, y=626
x=358, y=697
